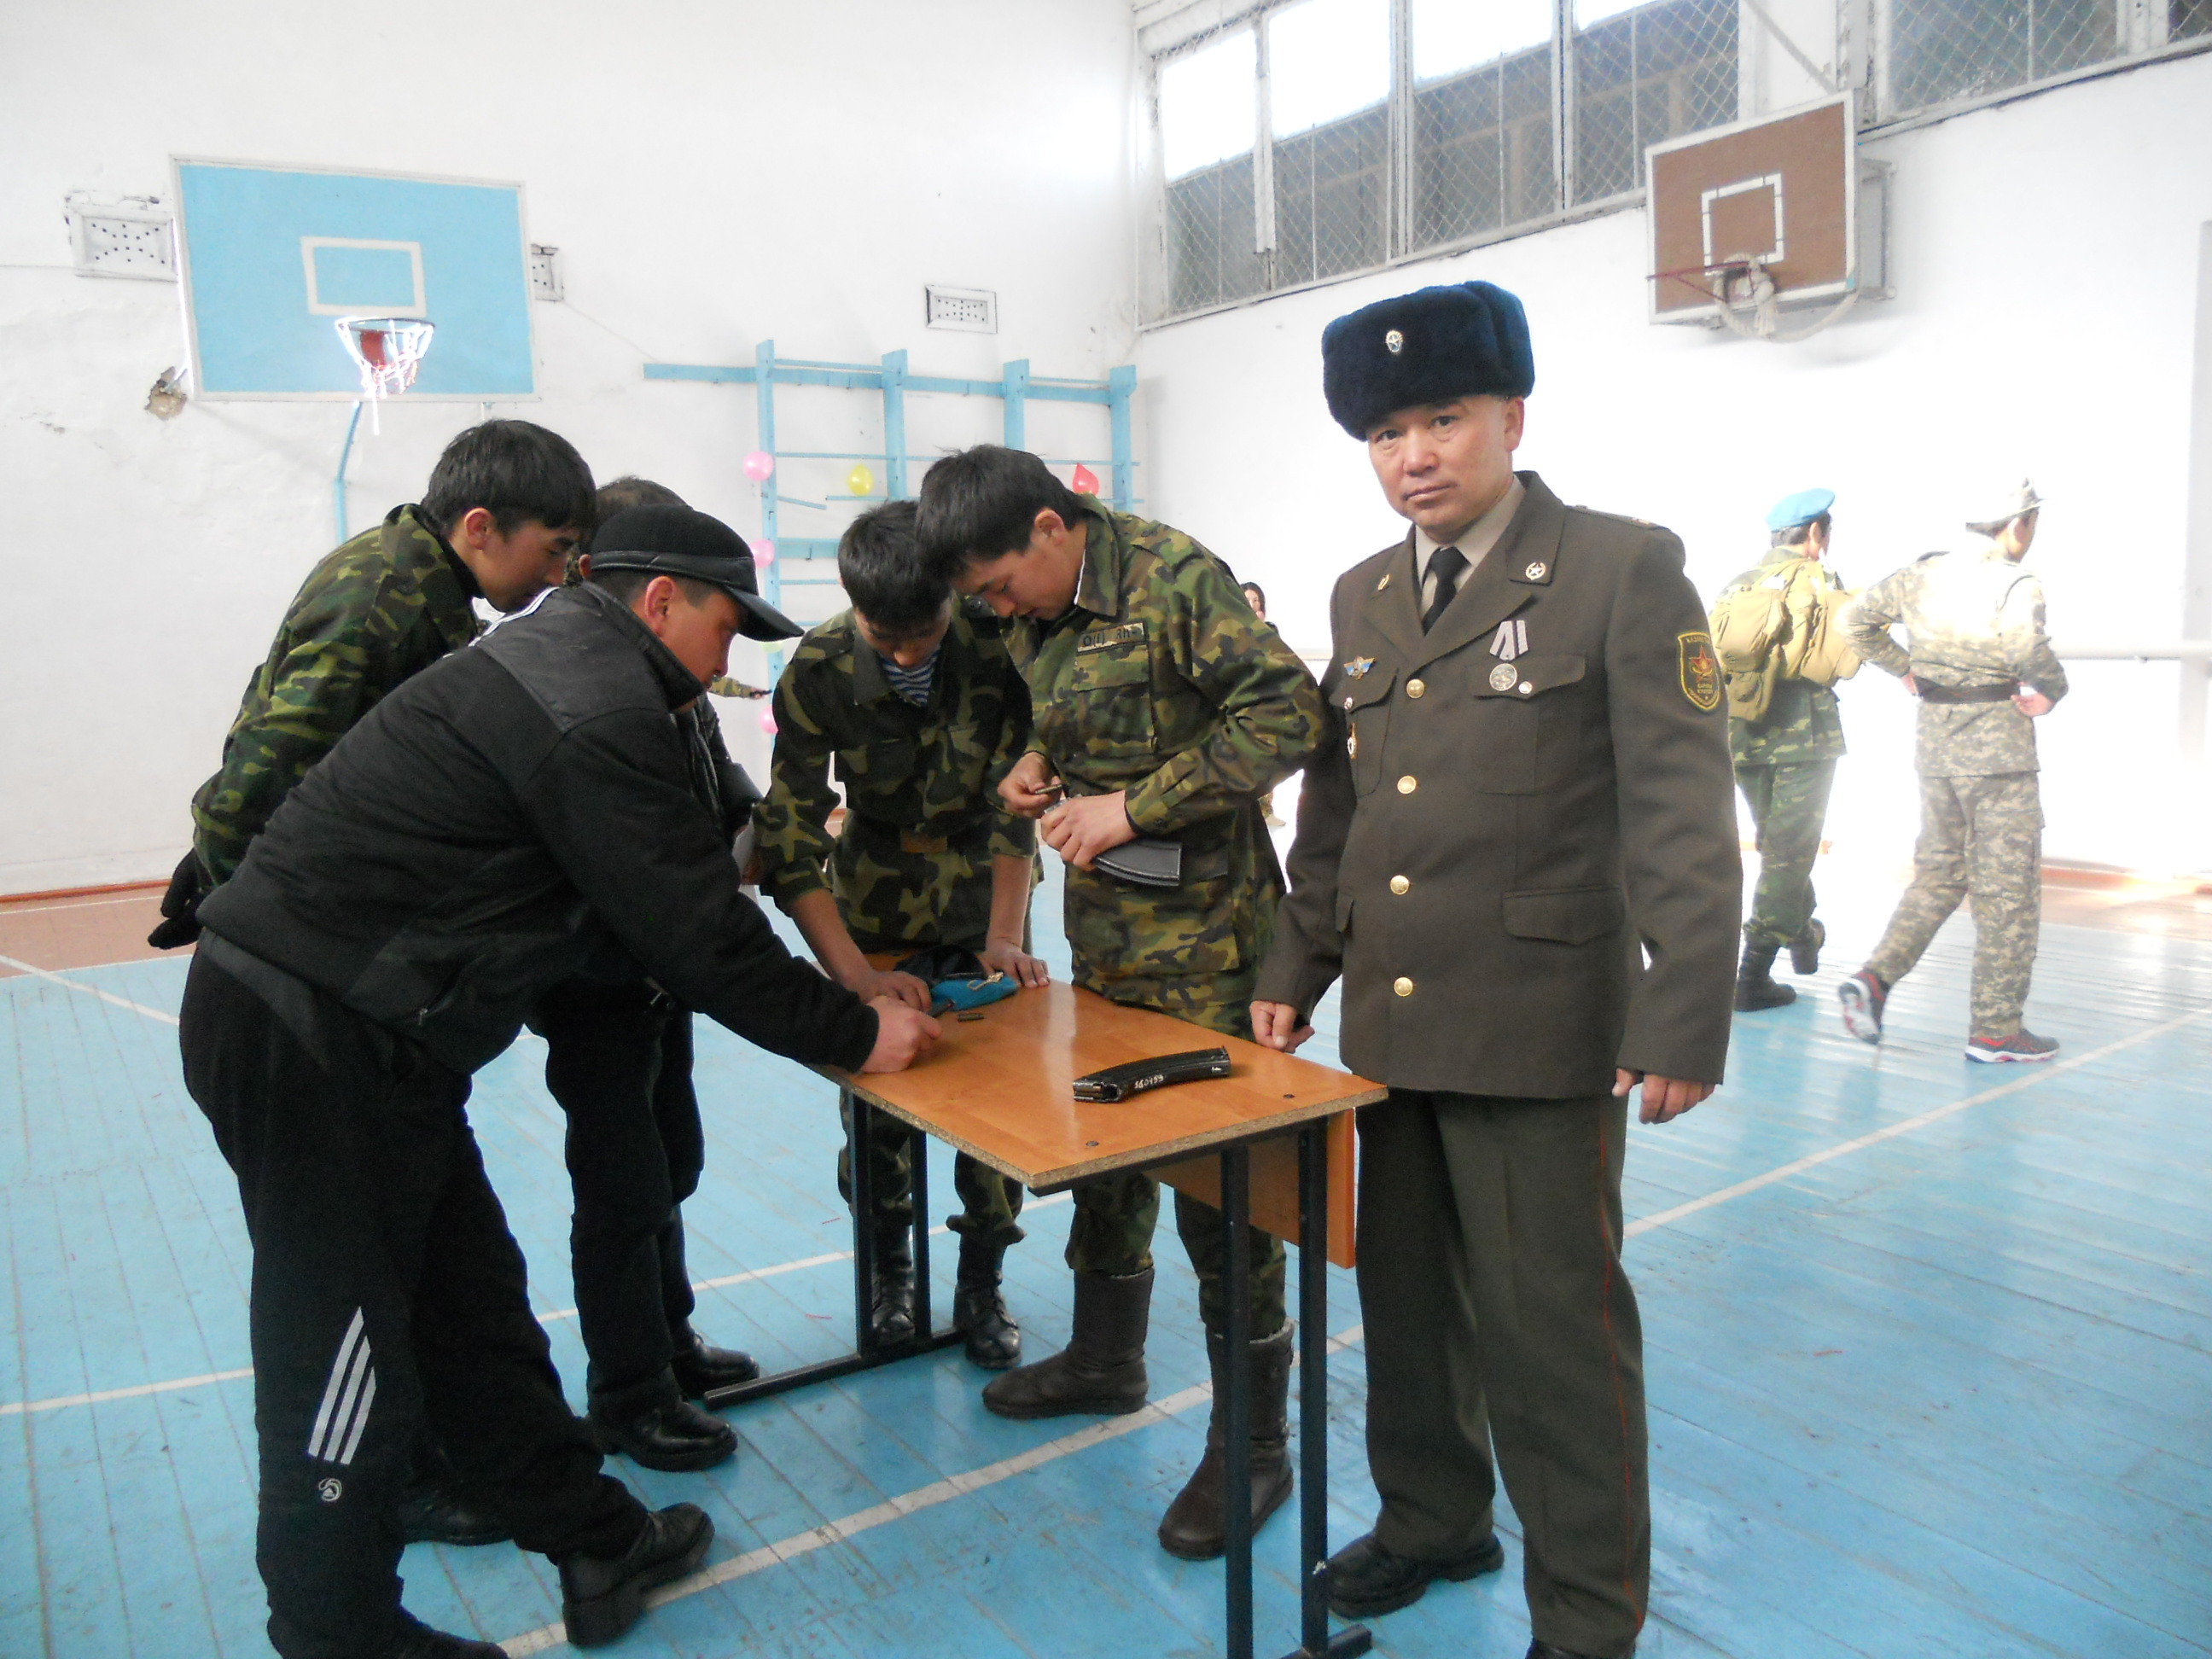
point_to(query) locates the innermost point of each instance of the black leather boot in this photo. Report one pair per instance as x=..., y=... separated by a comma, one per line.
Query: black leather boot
x=701, y=1368
x=1196, y=1525
x=653, y=1424
x=1102, y=1368
x=1805, y=949
x=890, y=1304
x=601, y=1598
x=979, y=1312
x=1754, y=982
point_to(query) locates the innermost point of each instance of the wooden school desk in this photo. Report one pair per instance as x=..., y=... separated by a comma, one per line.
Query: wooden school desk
x=1270, y=1145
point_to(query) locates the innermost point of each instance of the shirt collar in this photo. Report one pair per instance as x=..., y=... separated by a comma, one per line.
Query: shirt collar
x=1098, y=588
x=676, y=682
x=1475, y=542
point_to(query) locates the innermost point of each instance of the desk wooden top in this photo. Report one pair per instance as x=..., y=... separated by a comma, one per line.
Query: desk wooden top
x=1001, y=1089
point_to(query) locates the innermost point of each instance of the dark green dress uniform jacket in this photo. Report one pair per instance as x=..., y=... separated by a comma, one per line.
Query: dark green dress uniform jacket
x=1490, y=845
x=913, y=863
x=375, y=613
x=1160, y=681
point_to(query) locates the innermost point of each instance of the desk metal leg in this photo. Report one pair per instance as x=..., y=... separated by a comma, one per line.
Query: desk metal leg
x=860, y=1122
x=1237, y=1417
x=1315, y=1640
x=917, y=1158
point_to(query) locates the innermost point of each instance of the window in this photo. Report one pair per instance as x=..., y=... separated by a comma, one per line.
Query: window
x=1940, y=49
x=1321, y=137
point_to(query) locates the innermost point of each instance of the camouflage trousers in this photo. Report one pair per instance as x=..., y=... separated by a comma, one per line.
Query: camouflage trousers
x=1981, y=839
x=1115, y=1215
x=989, y=1202
x=1788, y=804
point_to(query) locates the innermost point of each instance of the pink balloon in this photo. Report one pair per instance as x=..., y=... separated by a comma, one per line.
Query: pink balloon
x=1085, y=481
x=763, y=553
x=759, y=465
x=768, y=721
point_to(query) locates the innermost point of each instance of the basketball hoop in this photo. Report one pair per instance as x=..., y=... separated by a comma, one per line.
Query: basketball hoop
x=388, y=350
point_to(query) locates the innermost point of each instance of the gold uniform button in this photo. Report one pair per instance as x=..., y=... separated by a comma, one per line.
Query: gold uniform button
x=1404, y=988
x=1406, y=785
x=1414, y=688
x=1400, y=884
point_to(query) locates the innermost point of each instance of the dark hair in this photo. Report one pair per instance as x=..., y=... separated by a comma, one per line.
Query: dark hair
x=1797, y=534
x=880, y=564
x=630, y=490
x=517, y=472
x=1254, y=595
x=625, y=586
x=984, y=502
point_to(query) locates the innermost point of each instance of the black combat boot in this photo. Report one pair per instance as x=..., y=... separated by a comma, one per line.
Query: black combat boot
x=601, y=1598
x=1805, y=949
x=1102, y=1368
x=890, y=1300
x=1196, y=1525
x=979, y=1312
x=1754, y=982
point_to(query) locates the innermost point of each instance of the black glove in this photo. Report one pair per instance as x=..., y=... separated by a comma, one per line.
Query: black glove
x=181, y=905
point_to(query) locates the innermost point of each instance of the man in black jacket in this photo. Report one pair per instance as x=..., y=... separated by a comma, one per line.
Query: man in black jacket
x=507, y=816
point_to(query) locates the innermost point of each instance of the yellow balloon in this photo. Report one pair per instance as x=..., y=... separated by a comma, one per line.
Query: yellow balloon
x=859, y=481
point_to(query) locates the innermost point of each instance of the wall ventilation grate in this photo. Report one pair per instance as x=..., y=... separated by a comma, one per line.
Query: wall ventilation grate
x=544, y=272
x=133, y=237
x=971, y=310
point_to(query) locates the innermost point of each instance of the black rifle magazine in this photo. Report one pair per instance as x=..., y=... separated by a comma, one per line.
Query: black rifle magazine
x=1135, y=1076
x=1144, y=862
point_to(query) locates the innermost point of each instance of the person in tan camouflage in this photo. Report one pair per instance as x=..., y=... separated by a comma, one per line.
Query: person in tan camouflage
x=505, y=507
x=1785, y=765
x=1162, y=708
x=1983, y=669
x=920, y=710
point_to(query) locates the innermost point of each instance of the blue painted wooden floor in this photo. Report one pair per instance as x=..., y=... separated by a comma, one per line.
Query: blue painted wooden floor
x=1941, y=1388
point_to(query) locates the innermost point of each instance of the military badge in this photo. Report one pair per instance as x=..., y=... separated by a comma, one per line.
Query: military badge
x=1502, y=676
x=1357, y=667
x=1352, y=744
x=1394, y=343
x=1535, y=573
x=1700, y=670
x=1384, y=583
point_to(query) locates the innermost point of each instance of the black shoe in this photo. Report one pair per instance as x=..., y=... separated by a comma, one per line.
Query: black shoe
x=1805, y=949
x=1102, y=1368
x=656, y=1426
x=979, y=1311
x=1365, y=1579
x=1755, y=988
x=702, y=1368
x=1545, y=1651
x=890, y=1301
x=431, y=1514
x=416, y=1640
x=601, y=1598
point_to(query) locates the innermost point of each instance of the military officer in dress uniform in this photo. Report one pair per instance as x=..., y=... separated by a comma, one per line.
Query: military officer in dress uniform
x=1162, y=709
x=1983, y=669
x=1517, y=846
x=1785, y=764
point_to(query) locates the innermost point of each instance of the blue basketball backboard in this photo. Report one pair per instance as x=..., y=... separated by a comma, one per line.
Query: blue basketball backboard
x=271, y=255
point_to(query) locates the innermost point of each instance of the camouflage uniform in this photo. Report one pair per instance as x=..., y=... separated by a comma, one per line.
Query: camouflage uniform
x=1785, y=765
x=1975, y=620
x=383, y=606
x=723, y=686
x=912, y=866
x=1161, y=681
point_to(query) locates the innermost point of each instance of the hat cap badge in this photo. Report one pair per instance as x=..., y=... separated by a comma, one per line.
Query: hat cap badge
x=1394, y=343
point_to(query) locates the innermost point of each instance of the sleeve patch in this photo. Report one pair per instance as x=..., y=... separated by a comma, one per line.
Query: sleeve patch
x=1700, y=670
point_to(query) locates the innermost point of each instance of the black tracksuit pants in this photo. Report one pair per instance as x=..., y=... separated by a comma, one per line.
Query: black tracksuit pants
x=386, y=1291
x=618, y=1061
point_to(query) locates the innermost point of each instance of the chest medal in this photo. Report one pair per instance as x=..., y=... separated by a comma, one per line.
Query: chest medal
x=1502, y=676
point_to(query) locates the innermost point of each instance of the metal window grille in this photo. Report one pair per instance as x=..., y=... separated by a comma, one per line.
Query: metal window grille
x=1942, y=50
x=1644, y=76
x=1332, y=194
x=1209, y=237
x=1483, y=153
x=2186, y=19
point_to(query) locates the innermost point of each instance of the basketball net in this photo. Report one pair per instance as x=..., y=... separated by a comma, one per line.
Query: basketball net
x=1744, y=300
x=388, y=350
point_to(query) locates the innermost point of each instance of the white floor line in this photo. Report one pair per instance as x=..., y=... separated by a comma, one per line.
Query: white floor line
x=20, y=1407
x=2031, y=1075
x=88, y=990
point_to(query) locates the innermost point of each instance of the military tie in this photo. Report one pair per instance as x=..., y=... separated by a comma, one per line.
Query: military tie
x=1445, y=564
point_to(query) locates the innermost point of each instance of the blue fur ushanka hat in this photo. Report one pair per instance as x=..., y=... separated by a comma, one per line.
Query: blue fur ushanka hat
x=1469, y=340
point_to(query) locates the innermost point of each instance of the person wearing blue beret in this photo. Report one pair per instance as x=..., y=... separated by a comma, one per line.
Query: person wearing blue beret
x=1517, y=846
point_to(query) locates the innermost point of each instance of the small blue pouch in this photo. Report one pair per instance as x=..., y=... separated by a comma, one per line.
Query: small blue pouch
x=956, y=979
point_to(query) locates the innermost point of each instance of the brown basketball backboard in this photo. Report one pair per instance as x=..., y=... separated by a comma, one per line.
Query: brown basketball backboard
x=1779, y=195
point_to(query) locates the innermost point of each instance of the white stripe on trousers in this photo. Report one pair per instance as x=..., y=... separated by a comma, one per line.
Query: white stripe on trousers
x=345, y=1380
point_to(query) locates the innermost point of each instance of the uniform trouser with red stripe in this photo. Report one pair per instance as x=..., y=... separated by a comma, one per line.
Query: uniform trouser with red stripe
x=1497, y=1314
x=387, y=1292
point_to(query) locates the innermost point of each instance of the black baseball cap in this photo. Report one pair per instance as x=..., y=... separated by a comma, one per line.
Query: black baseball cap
x=680, y=541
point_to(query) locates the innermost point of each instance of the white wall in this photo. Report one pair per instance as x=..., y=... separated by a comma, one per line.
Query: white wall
x=713, y=173
x=2044, y=255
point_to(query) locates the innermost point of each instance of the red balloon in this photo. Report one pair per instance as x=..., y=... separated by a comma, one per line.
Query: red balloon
x=1085, y=481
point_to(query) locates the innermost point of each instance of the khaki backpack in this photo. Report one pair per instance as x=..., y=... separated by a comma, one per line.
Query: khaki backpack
x=1787, y=625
